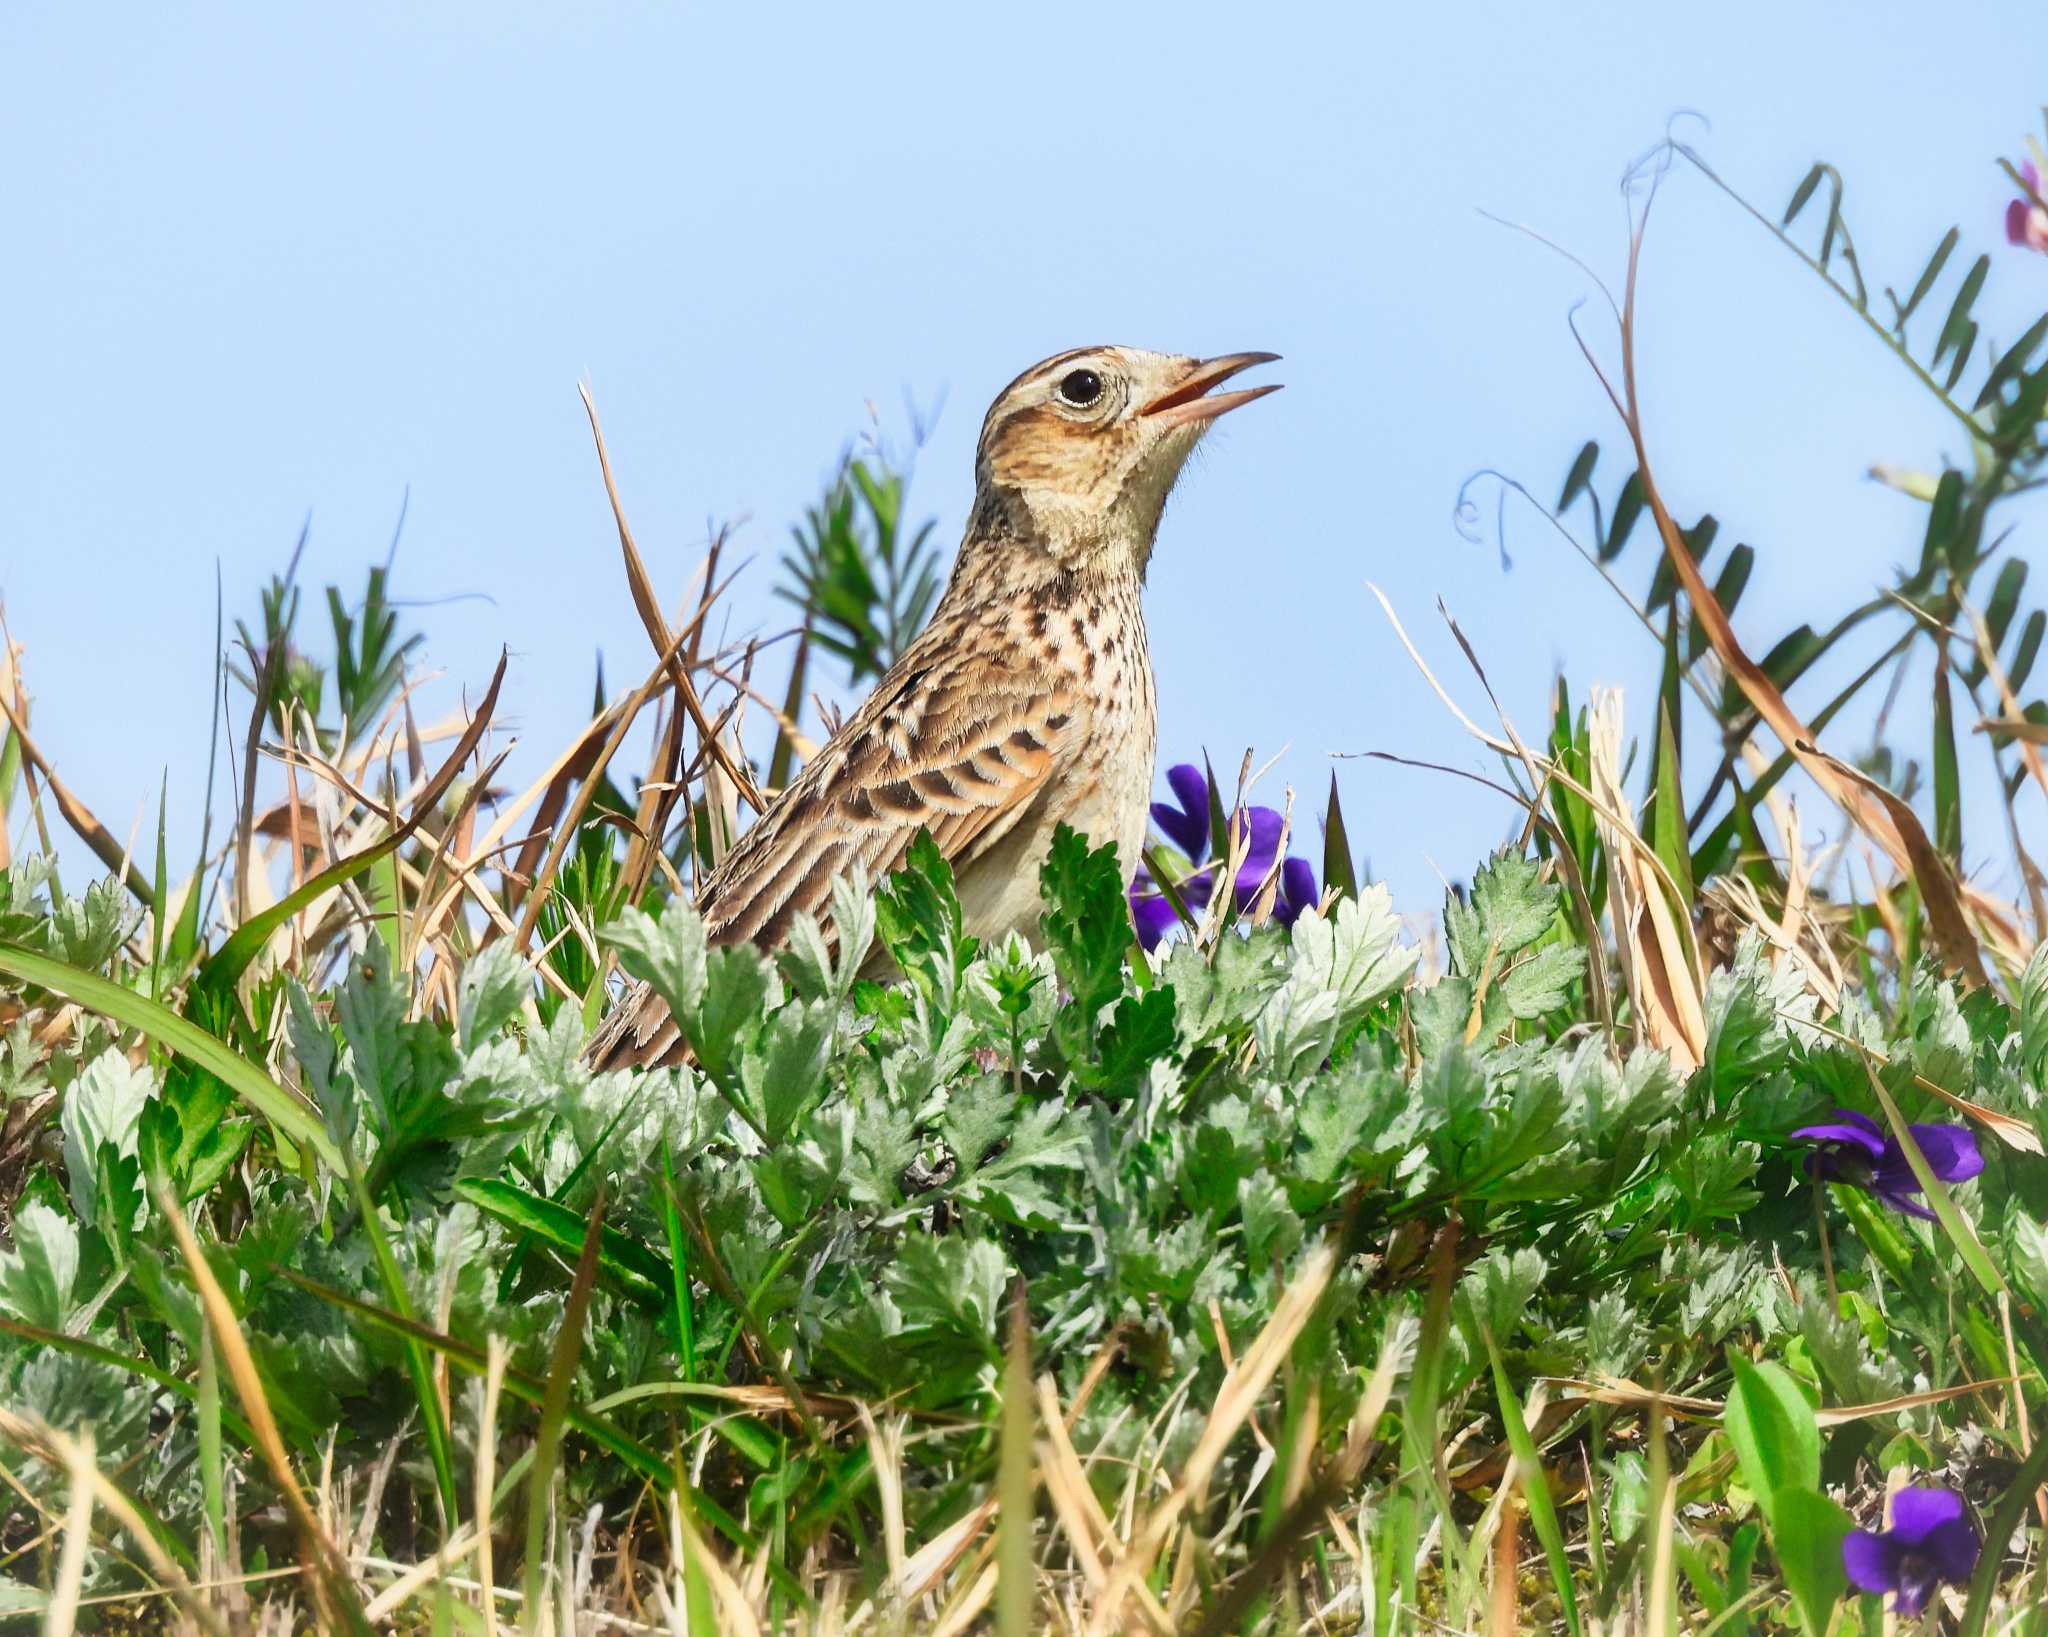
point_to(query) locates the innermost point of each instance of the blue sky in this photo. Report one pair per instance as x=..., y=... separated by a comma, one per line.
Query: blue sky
x=271, y=261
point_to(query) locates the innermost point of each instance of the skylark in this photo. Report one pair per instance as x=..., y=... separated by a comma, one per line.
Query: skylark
x=1027, y=701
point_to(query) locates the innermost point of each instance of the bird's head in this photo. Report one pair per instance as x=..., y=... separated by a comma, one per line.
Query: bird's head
x=1083, y=449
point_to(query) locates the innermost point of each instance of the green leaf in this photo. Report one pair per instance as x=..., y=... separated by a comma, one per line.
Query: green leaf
x=1807, y=1530
x=2022, y=665
x=1087, y=922
x=1771, y=1425
x=1343, y=965
x=1948, y=797
x=1338, y=875
x=1928, y=275
x=1579, y=479
x=1628, y=507
x=103, y=1111
x=1944, y=514
x=185, y=1136
x=644, y=1276
x=917, y=915
x=124, y=1006
x=783, y=1072
x=494, y=983
x=39, y=1275
x=2011, y=362
x=1509, y=907
x=1957, y=331
x=1668, y=833
x=739, y=987
x=668, y=954
x=1535, y=1490
x=1140, y=1032
x=1542, y=982
x=1802, y=193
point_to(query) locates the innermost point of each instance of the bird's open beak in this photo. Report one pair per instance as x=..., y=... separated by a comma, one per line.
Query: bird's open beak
x=1186, y=403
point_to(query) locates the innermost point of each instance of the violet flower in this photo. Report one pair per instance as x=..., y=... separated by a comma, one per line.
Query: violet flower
x=1853, y=1148
x=1929, y=1541
x=2026, y=223
x=1184, y=821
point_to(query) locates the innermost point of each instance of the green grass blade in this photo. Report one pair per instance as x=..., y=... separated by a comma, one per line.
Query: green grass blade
x=281, y=1108
x=554, y=1407
x=644, y=1275
x=211, y=1476
x=683, y=1313
x=228, y=963
x=1948, y=795
x=1535, y=1489
x=418, y=1365
x=79, y=1347
x=1014, y=1487
x=471, y=1359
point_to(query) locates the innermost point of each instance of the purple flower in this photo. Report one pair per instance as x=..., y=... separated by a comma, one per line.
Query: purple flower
x=1929, y=1541
x=1853, y=1148
x=1185, y=822
x=1150, y=912
x=2026, y=223
x=1298, y=891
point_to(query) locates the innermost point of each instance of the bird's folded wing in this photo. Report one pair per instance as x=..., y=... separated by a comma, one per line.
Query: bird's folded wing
x=962, y=746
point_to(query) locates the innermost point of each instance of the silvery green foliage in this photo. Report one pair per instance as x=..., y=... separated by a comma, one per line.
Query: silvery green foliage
x=1508, y=954
x=102, y=1117
x=862, y=1174
x=38, y=1277
x=1343, y=965
x=86, y=931
x=493, y=985
x=2031, y=1015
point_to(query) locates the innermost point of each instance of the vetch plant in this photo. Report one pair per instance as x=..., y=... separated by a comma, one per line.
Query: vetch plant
x=2026, y=218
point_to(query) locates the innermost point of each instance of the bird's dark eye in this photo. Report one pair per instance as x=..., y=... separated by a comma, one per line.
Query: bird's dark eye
x=1081, y=387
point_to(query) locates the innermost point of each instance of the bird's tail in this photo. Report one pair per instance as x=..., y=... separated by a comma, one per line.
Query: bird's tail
x=639, y=1033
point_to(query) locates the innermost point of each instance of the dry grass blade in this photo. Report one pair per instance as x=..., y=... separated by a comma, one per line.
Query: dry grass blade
x=1946, y=917
x=565, y=831
x=1663, y=985
x=2026, y=731
x=885, y=1445
x=2030, y=735
x=1015, y=1486
x=1239, y=1394
x=1885, y=819
x=1663, y=1592
x=698, y=1566
x=1247, y=1382
x=657, y=627
x=333, y=1593
x=1504, y=1612
x=58, y=1450
x=495, y=1354
x=923, y=1569
x=63, y=1611
x=401, y=1591
x=89, y=829
x=1626, y=1394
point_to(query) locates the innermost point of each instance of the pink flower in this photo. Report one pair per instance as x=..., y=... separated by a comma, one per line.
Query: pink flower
x=2026, y=222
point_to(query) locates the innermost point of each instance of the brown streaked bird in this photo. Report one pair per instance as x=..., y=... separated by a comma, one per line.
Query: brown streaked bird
x=1025, y=703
